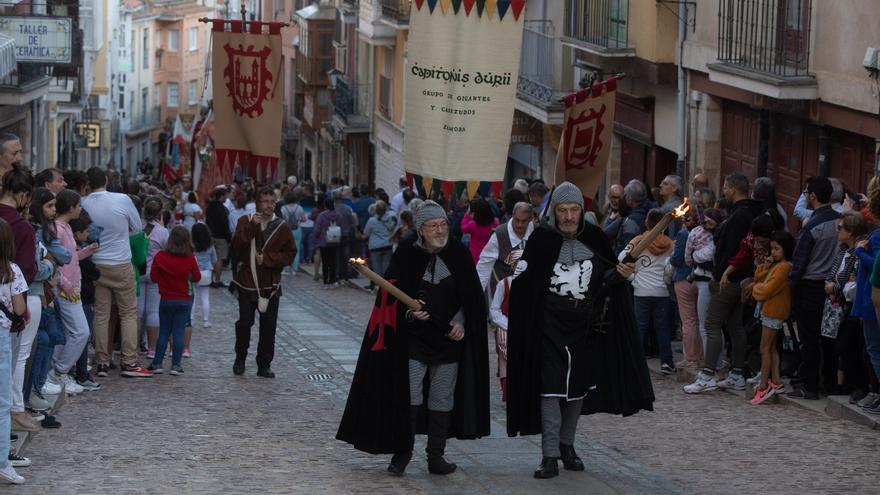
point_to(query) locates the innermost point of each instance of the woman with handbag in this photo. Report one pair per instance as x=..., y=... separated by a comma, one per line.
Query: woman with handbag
x=13, y=288
x=328, y=236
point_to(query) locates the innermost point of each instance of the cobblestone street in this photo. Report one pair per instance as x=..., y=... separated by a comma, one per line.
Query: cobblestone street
x=212, y=432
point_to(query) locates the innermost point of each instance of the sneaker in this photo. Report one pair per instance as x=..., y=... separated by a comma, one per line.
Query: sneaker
x=37, y=402
x=776, y=388
x=54, y=378
x=70, y=385
x=8, y=473
x=761, y=395
x=703, y=383
x=875, y=409
x=50, y=388
x=156, y=370
x=667, y=369
x=36, y=415
x=733, y=381
x=135, y=371
x=206, y=324
x=89, y=385
x=151, y=354
x=802, y=393
x=16, y=460
x=869, y=401
x=856, y=396
x=176, y=370
x=756, y=379
x=187, y=353
x=50, y=422
x=103, y=371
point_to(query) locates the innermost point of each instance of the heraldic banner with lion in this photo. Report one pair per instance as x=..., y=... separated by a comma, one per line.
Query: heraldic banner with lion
x=461, y=77
x=248, y=87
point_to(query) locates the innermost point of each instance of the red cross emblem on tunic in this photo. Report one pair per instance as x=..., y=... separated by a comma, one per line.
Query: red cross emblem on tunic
x=384, y=316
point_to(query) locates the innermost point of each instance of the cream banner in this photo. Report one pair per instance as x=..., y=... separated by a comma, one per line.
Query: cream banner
x=461, y=76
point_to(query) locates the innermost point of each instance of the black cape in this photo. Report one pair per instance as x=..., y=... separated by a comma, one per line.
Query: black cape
x=377, y=415
x=616, y=366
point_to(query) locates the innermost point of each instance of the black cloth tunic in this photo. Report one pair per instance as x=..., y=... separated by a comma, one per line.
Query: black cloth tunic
x=428, y=341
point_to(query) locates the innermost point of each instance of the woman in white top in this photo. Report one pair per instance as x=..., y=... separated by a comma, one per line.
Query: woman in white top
x=192, y=212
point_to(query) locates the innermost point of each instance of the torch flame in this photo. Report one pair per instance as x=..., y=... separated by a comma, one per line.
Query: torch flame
x=357, y=261
x=682, y=209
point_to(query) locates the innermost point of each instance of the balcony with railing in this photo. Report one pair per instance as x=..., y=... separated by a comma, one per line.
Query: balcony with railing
x=396, y=12
x=386, y=94
x=537, y=83
x=347, y=107
x=598, y=26
x=27, y=83
x=312, y=70
x=144, y=120
x=769, y=36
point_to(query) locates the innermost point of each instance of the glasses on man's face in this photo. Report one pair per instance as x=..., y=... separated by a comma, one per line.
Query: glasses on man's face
x=437, y=227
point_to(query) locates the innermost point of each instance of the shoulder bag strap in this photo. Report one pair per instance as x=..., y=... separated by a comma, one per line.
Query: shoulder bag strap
x=254, y=264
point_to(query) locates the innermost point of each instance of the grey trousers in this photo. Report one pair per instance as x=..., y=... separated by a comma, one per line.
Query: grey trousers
x=725, y=311
x=559, y=420
x=441, y=393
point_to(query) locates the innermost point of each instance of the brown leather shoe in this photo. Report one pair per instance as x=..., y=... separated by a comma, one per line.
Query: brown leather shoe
x=23, y=421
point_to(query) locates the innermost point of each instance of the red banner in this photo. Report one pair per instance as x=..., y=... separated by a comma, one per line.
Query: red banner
x=248, y=86
x=587, y=131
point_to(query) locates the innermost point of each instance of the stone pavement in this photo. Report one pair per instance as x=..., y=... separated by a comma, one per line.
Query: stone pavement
x=211, y=432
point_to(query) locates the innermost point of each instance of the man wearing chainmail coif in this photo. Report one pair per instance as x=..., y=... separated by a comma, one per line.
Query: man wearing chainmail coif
x=572, y=346
x=428, y=370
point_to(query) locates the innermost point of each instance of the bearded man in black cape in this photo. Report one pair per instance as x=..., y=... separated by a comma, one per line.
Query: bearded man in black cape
x=572, y=345
x=428, y=370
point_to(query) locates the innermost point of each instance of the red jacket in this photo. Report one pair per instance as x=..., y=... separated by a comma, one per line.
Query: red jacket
x=174, y=274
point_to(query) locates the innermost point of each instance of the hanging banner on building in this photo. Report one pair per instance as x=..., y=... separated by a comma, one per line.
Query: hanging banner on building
x=587, y=129
x=461, y=76
x=248, y=86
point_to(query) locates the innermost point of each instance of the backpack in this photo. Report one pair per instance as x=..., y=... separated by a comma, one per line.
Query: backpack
x=291, y=215
x=334, y=234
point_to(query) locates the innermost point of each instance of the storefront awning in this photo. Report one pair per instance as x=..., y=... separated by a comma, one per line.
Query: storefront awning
x=7, y=55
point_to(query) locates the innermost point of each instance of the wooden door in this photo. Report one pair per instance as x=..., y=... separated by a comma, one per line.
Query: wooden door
x=739, y=140
x=633, y=155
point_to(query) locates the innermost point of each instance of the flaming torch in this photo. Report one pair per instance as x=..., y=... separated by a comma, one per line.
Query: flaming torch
x=658, y=229
x=361, y=266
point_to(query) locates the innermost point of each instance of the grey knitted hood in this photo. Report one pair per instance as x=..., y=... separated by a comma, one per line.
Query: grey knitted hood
x=428, y=210
x=563, y=193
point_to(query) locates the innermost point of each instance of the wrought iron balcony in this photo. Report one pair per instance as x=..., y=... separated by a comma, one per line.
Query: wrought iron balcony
x=600, y=25
x=765, y=36
x=144, y=120
x=396, y=11
x=26, y=77
x=536, y=75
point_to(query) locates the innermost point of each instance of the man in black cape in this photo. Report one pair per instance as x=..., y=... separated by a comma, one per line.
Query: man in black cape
x=425, y=371
x=572, y=345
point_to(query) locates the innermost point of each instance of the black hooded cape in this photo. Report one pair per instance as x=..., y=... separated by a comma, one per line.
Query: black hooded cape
x=377, y=415
x=617, y=364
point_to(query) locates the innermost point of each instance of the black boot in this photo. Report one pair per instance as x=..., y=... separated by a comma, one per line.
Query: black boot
x=438, y=427
x=238, y=367
x=265, y=372
x=570, y=459
x=548, y=468
x=401, y=459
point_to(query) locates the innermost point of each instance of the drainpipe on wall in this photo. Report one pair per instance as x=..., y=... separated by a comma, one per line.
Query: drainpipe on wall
x=681, y=124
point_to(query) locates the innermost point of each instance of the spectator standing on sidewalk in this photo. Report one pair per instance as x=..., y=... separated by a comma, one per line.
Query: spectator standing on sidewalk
x=329, y=247
x=294, y=215
x=812, y=260
x=726, y=306
x=52, y=179
x=206, y=257
x=217, y=219
x=686, y=294
x=13, y=287
x=266, y=240
x=636, y=197
x=671, y=191
x=10, y=152
x=480, y=223
x=117, y=216
x=347, y=220
x=174, y=269
x=378, y=231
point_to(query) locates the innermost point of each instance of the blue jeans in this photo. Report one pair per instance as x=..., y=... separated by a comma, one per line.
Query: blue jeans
x=656, y=310
x=173, y=315
x=5, y=393
x=298, y=239
x=307, y=243
x=49, y=335
x=872, y=343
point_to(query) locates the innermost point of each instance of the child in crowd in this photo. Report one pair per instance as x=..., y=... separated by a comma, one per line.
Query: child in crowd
x=499, y=310
x=773, y=293
x=90, y=273
x=67, y=293
x=206, y=257
x=651, y=293
x=13, y=288
x=174, y=269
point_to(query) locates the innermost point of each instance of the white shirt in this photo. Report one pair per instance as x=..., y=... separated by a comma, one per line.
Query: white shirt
x=495, y=308
x=397, y=203
x=648, y=278
x=117, y=215
x=489, y=255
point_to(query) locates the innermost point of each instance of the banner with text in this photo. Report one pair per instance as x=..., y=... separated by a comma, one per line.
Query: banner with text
x=461, y=76
x=248, y=87
x=587, y=129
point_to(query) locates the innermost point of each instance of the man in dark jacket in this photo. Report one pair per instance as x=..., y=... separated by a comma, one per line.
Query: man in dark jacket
x=217, y=220
x=432, y=361
x=814, y=255
x=725, y=305
x=635, y=195
x=565, y=359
